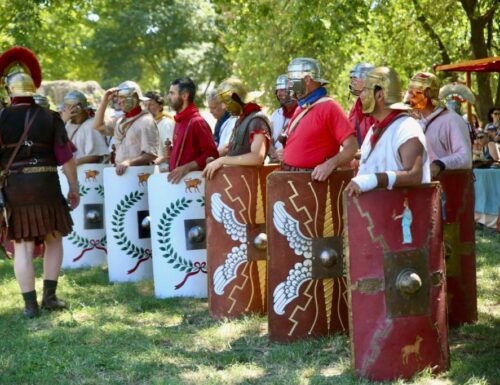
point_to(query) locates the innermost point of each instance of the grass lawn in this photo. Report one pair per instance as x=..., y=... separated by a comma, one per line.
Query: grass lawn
x=121, y=334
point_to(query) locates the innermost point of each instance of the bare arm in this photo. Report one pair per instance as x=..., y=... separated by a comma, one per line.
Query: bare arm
x=101, y=110
x=89, y=159
x=176, y=175
x=69, y=169
x=411, y=153
x=493, y=150
x=349, y=149
x=142, y=160
x=253, y=158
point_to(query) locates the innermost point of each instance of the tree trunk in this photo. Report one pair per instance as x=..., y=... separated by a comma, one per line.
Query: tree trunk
x=479, y=46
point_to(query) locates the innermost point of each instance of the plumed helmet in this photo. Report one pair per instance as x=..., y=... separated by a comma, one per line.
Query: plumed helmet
x=360, y=70
x=73, y=98
x=425, y=80
x=388, y=80
x=281, y=82
x=303, y=66
x=41, y=100
x=20, y=72
x=457, y=91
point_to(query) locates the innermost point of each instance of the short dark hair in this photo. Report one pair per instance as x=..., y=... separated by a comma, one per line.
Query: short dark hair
x=186, y=85
x=156, y=96
x=491, y=111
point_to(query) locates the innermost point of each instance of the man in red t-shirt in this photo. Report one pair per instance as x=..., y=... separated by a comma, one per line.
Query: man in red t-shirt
x=318, y=127
x=193, y=141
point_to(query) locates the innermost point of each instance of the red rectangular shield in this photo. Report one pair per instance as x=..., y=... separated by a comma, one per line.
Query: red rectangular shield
x=236, y=241
x=307, y=284
x=457, y=201
x=397, y=290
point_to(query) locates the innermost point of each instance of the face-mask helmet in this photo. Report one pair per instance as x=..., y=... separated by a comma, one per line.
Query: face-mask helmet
x=358, y=75
x=298, y=69
x=233, y=94
x=417, y=95
x=383, y=78
x=131, y=92
x=78, y=99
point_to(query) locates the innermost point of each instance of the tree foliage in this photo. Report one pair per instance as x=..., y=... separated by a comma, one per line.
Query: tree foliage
x=154, y=42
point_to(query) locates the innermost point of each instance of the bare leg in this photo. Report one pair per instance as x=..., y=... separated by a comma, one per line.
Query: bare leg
x=52, y=261
x=52, y=258
x=23, y=265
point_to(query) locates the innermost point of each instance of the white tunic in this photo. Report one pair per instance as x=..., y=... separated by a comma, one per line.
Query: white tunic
x=166, y=131
x=226, y=131
x=278, y=122
x=88, y=141
x=385, y=155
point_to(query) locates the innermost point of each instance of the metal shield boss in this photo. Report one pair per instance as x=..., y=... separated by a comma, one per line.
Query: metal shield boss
x=178, y=235
x=396, y=282
x=128, y=224
x=307, y=284
x=457, y=201
x=237, y=241
x=86, y=245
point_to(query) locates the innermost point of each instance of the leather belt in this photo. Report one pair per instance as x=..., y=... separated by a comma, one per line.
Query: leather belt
x=286, y=167
x=27, y=143
x=32, y=162
x=34, y=170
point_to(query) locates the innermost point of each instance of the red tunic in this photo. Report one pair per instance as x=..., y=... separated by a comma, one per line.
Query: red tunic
x=198, y=141
x=318, y=135
x=364, y=121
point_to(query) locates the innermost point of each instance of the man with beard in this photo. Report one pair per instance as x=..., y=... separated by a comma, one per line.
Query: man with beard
x=394, y=150
x=90, y=144
x=252, y=132
x=361, y=122
x=135, y=134
x=446, y=132
x=319, y=126
x=193, y=142
x=281, y=116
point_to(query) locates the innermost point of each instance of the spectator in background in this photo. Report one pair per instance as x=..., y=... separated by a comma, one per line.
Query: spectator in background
x=494, y=122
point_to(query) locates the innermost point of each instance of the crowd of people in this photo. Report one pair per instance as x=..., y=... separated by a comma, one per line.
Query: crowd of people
x=395, y=137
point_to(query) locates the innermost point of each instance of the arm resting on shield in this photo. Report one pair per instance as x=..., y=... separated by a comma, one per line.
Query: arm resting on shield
x=255, y=157
x=349, y=149
x=142, y=160
x=176, y=175
x=411, y=154
x=69, y=169
x=89, y=159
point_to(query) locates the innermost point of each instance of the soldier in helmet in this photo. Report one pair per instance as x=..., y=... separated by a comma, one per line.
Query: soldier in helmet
x=193, y=142
x=135, y=134
x=90, y=144
x=393, y=152
x=281, y=116
x=360, y=121
x=319, y=126
x=446, y=132
x=251, y=135
x=33, y=143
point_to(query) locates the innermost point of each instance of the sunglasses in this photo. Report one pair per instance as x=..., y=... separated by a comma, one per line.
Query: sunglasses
x=496, y=113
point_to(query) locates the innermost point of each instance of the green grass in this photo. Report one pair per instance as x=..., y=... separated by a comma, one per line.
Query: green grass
x=121, y=334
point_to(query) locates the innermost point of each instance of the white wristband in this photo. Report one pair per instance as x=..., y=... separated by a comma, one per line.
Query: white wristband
x=366, y=182
x=391, y=179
